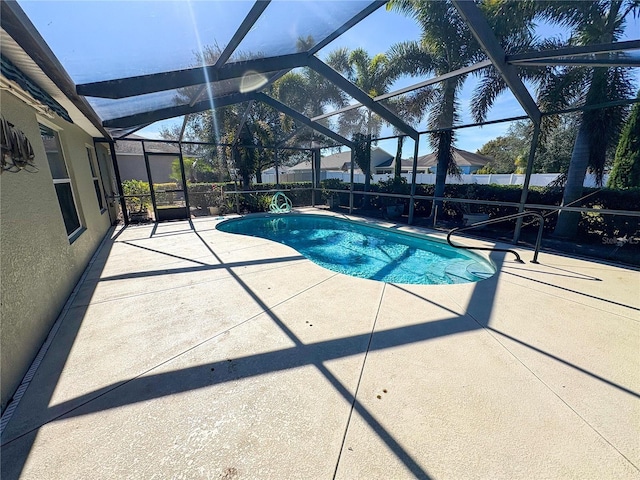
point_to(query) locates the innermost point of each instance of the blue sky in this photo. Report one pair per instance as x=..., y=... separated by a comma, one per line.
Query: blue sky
x=136, y=37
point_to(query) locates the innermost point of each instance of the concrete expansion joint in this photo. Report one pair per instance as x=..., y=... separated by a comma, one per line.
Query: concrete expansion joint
x=494, y=336
x=355, y=393
x=23, y=387
x=607, y=311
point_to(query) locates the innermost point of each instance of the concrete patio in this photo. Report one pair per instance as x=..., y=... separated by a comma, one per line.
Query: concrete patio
x=186, y=352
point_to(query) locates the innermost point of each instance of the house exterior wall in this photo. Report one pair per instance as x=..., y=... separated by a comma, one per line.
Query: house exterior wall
x=132, y=167
x=39, y=265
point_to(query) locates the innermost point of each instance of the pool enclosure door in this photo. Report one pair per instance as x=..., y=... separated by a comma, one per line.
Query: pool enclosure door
x=169, y=196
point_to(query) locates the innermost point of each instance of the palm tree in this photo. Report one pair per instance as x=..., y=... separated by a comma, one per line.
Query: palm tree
x=445, y=45
x=590, y=23
x=373, y=75
x=309, y=93
x=593, y=22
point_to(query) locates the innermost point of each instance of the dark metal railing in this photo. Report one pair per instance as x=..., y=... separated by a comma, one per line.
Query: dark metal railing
x=539, y=217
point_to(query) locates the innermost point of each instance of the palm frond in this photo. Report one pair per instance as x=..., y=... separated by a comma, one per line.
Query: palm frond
x=604, y=124
x=339, y=60
x=489, y=87
x=562, y=87
x=408, y=58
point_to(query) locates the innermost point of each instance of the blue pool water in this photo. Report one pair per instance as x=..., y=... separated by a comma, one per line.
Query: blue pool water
x=365, y=251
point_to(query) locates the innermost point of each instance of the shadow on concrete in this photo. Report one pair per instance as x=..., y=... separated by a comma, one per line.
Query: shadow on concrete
x=565, y=289
x=202, y=268
x=147, y=386
x=566, y=274
x=63, y=344
x=565, y=362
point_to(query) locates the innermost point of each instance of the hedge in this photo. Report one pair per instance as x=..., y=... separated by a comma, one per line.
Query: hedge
x=591, y=228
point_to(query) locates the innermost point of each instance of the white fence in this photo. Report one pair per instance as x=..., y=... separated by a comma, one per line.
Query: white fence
x=537, y=179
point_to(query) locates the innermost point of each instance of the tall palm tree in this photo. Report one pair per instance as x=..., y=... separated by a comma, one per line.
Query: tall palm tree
x=445, y=44
x=593, y=22
x=375, y=76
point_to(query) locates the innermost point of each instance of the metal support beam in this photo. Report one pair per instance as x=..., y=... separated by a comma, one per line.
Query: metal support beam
x=411, y=88
x=139, y=85
x=414, y=173
x=316, y=159
x=346, y=26
x=246, y=25
x=243, y=29
x=302, y=119
x=353, y=166
x=130, y=132
x=572, y=51
x=184, y=181
x=597, y=106
x=361, y=96
x=171, y=112
x=527, y=179
x=152, y=191
x=481, y=30
x=116, y=171
x=616, y=61
x=243, y=120
x=440, y=78
x=184, y=127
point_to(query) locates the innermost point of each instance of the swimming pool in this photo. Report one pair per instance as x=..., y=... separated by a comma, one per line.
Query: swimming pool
x=365, y=251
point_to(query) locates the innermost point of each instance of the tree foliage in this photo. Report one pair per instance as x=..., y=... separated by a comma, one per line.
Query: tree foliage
x=589, y=23
x=503, y=152
x=446, y=44
x=626, y=165
x=553, y=152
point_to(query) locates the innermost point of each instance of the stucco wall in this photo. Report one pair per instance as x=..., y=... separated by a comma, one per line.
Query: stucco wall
x=132, y=166
x=38, y=265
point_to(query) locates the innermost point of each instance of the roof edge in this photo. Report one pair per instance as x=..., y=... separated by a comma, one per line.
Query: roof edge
x=16, y=23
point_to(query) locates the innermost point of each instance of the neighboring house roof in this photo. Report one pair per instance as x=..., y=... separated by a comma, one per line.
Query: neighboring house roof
x=380, y=159
x=342, y=161
x=387, y=163
x=126, y=147
x=406, y=163
x=461, y=157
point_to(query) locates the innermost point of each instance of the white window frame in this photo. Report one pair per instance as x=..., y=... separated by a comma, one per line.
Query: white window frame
x=57, y=130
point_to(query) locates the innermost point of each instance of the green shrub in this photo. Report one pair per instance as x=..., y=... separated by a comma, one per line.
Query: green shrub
x=164, y=197
x=204, y=195
x=592, y=226
x=137, y=195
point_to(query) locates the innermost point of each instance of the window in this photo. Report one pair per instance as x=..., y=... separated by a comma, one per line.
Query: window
x=61, y=180
x=96, y=178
